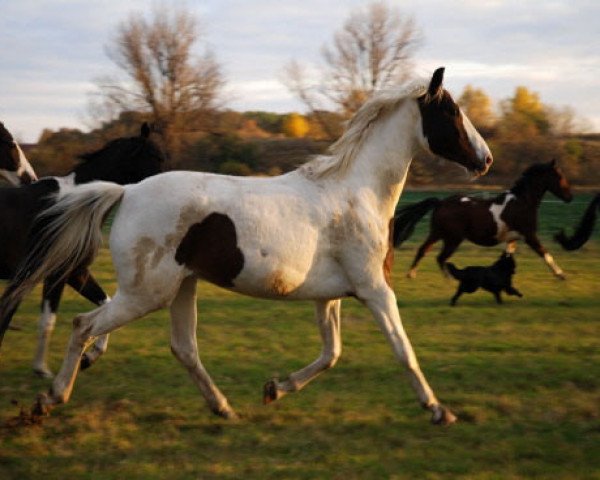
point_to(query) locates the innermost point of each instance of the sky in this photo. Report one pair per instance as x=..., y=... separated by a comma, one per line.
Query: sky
x=52, y=51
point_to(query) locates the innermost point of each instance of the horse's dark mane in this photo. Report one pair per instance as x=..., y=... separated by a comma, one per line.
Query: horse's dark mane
x=5, y=134
x=523, y=184
x=94, y=155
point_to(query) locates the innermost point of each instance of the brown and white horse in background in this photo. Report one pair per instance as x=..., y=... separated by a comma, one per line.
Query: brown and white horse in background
x=14, y=166
x=508, y=217
x=321, y=232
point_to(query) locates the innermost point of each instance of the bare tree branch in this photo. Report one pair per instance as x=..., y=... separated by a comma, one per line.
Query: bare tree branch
x=371, y=51
x=164, y=78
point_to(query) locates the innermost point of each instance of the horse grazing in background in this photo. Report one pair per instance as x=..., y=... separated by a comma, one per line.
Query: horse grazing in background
x=506, y=218
x=14, y=166
x=124, y=160
x=583, y=230
x=321, y=232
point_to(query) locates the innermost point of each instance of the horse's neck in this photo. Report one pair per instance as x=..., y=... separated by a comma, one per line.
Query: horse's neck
x=381, y=165
x=82, y=173
x=532, y=194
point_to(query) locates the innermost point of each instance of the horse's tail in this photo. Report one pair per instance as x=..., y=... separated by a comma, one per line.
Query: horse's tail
x=63, y=237
x=455, y=272
x=406, y=218
x=584, y=229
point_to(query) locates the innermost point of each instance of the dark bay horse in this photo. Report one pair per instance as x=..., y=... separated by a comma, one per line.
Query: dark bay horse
x=510, y=216
x=14, y=166
x=583, y=230
x=123, y=161
x=321, y=232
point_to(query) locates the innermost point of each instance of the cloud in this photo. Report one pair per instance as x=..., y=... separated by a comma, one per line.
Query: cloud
x=57, y=49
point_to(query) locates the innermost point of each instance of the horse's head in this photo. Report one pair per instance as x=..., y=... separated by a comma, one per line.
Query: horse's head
x=123, y=160
x=14, y=166
x=557, y=182
x=447, y=132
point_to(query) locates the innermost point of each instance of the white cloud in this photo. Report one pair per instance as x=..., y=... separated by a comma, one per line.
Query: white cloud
x=57, y=49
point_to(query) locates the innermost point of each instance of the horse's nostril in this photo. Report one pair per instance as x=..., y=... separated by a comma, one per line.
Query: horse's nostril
x=489, y=160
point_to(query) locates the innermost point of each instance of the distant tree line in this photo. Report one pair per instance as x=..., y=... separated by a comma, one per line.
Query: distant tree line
x=163, y=81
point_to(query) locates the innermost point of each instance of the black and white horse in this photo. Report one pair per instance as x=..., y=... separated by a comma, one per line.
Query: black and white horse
x=123, y=161
x=14, y=166
x=508, y=217
x=321, y=232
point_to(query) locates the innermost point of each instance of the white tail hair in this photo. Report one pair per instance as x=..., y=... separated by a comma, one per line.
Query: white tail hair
x=68, y=234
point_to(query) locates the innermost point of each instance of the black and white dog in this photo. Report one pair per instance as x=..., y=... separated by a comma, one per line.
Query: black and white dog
x=495, y=278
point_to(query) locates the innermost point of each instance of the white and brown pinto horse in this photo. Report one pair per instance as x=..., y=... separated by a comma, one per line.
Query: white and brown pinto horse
x=14, y=166
x=321, y=232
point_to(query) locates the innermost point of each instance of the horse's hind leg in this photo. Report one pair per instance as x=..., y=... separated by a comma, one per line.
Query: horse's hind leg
x=328, y=318
x=185, y=347
x=52, y=293
x=104, y=319
x=421, y=252
x=85, y=284
x=449, y=248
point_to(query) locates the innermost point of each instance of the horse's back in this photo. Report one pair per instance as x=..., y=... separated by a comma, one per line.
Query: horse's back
x=462, y=217
x=262, y=237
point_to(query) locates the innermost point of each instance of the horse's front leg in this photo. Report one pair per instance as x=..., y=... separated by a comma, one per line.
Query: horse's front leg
x=382, y=303
x=328, y=319
x=535, y=244
x=86, y=285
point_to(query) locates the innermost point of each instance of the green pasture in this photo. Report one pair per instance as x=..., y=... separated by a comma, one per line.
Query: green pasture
x=524, y=379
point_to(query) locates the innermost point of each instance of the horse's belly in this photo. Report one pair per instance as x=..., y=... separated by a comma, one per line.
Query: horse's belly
x=506, y=235
x=321, y=280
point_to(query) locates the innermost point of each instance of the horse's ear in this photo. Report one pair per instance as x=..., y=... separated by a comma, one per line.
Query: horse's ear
x=436, y=82
x=554, y=163
x=145, y=131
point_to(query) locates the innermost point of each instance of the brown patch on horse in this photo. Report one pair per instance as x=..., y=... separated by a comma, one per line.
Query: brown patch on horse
x=388, y=261
x=441, y=121
x=210, y=250
x=141, y=254
x=188, y=215
x=278, y=284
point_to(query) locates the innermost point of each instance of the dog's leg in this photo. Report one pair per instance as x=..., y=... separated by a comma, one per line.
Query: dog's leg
x=498, y=297
x=458, y=293
x=510, y=290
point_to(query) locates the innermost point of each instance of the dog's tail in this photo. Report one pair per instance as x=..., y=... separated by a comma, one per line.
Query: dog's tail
x=454, y=271
x=406, y=218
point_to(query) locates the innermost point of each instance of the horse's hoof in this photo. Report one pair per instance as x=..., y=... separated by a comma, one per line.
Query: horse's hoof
x=86, y=362
x=411, y=274
x=270, y=392
x=443, y=416
x=43, y=373
x=226, y=413
x=561, y=276
x=42, y=406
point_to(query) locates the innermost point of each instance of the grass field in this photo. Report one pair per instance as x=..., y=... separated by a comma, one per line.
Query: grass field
x=523, y=377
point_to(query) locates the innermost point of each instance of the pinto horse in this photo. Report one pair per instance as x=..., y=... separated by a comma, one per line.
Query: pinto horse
x=506, y=218
x=124, y=160
x=14, y=166
x=321, y=232
x=583, y=230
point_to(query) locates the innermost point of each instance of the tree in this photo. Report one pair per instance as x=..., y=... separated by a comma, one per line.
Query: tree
x=295, y=125
x=525, y=113
x=478, y=107
x=163, y=78
x=372, y=51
